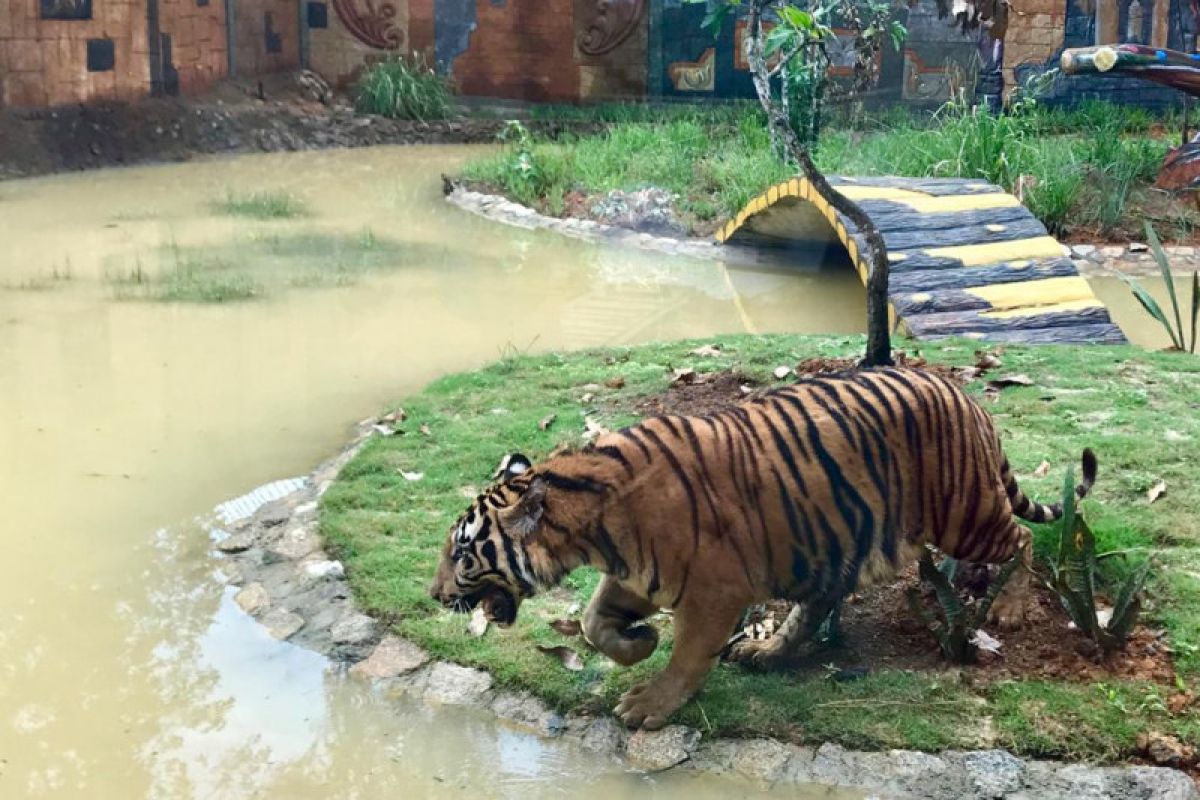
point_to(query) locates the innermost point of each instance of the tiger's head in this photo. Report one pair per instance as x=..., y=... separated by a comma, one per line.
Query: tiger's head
x=484, y=561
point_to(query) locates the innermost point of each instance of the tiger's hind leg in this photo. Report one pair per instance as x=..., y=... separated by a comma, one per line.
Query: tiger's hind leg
x=610, y=623
x=1012, y=541
x=785, y=644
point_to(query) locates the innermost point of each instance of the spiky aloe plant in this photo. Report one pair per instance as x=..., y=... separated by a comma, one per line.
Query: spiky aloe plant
x=955, y=633
x=1074, y=579
x=1174, y=326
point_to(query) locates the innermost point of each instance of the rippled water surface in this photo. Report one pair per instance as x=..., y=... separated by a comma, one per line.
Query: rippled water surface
x=128, y=410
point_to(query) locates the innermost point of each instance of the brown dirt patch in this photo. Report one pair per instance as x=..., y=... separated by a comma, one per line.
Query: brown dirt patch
x=879, y=630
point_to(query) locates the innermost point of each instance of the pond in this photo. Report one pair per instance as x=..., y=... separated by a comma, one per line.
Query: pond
x=133, y=400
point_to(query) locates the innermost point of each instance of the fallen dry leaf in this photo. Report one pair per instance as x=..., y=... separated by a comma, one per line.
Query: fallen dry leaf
x=966, y=374
x=569, y=658
x=707, y=351
x=587, y=398
x=615, y=383
x=782, y=372
x=394, y=416
x=545, y=422
x=1010, y=380
x=745, y=389
x=478, y=624
x=686, y=375
x=412, y=476
x=985, y=641
x=985, y=360
x=425, y=431
x=567, y=627
x=592, y=429
x=1156, y=491
x=1043, y=470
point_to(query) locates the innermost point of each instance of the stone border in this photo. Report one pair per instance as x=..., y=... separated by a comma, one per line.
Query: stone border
x=1092, y=261
x=289, y=583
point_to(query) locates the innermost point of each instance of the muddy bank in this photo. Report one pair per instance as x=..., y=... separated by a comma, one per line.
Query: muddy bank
x=278, y=113
x=274, y=557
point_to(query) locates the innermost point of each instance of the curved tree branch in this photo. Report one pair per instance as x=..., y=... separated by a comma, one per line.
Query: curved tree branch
x=879, y=346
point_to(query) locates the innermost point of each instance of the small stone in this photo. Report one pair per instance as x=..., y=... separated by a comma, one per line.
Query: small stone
x=391, y=657
x=527, y=711
x=307, y=508
x=1083, y=250
x=761, y=760
x=281, y=623
x=324, y=569
x=1138, y=247
x=454, y=685
x=295, y=544
x=604, y=735
x=662, y=749
x=253, y=598
x=1162, y=784
x=1112, y=252
x=994, y=773
x=353, y=629
x=237, y=543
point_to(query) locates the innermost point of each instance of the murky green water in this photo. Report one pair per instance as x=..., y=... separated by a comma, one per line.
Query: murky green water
x=124, y=670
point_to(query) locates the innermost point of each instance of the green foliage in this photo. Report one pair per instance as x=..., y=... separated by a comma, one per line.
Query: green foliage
x=1075, y=576
x=263, y=205
x=955, y=634
x=404, y=87
x=1180, y=338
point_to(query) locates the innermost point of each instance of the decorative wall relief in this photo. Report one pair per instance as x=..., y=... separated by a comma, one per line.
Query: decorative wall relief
x=695, y=76
x=612, y=23
x=373, y=22
x=66, y=9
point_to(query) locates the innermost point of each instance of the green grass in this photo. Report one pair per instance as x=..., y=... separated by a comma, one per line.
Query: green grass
x=261, y=264
x=53, y=278
x=404, y=88
x=263, y=205
x=1093, y=166
x=1120, y=401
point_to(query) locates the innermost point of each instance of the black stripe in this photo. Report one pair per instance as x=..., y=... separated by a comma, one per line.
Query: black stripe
x=677, y=468
x=616, y=455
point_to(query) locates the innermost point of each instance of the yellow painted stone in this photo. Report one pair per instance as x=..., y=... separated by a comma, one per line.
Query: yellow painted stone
x=1047, y=291
x=1035, y=311
x=962, y=202
x=920, y=297
x=880, y=193
x=977, y=254
x=896, y=257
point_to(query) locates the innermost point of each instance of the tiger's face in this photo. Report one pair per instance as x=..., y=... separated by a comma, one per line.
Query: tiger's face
x=484, y=561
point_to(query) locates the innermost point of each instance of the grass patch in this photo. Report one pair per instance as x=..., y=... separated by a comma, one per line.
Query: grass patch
x=404, y=88
x=1092, y=167
x=389, y=532
x=263, y=205
x=53, y=278
x=188, y=281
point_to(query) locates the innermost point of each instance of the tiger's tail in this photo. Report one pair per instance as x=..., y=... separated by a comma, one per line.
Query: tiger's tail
x=1028, y=510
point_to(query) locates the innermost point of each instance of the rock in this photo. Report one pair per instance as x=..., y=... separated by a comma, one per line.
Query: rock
x=1161, y=784
x=274, y=513
x=1083, y=250
x=324, y=569
x=354, y=628
x=1112, y=252
x=662, y=749
x=993, y=773
x=391, y=657
x=1138, y=247
x=454, y=685
x=295, y=544
x=237, y=543
x=281, y=623
x=604, y=735
x=1165, y=750
x=1183, y=251
x=253, y=598
x=529, y=712
x=761, y=760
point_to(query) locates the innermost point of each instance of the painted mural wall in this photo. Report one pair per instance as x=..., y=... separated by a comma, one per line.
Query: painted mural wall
x=64, y=51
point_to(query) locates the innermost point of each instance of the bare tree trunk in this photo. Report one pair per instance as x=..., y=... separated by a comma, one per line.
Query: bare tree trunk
x=879, y=345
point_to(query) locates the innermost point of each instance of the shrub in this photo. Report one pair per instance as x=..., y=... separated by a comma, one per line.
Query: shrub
x=404, y=88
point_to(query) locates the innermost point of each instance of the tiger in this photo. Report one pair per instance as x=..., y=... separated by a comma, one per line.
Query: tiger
x=797, y=493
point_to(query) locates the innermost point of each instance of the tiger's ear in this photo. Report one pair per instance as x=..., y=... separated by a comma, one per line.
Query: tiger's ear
x=522, y=516
x=511, y=466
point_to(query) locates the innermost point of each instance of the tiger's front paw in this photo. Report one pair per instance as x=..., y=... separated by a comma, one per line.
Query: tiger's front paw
x=758, y=654
x=1007, y=612
x=649, y=705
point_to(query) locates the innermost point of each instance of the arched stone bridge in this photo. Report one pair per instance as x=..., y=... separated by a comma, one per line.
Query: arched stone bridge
x=967, y=259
